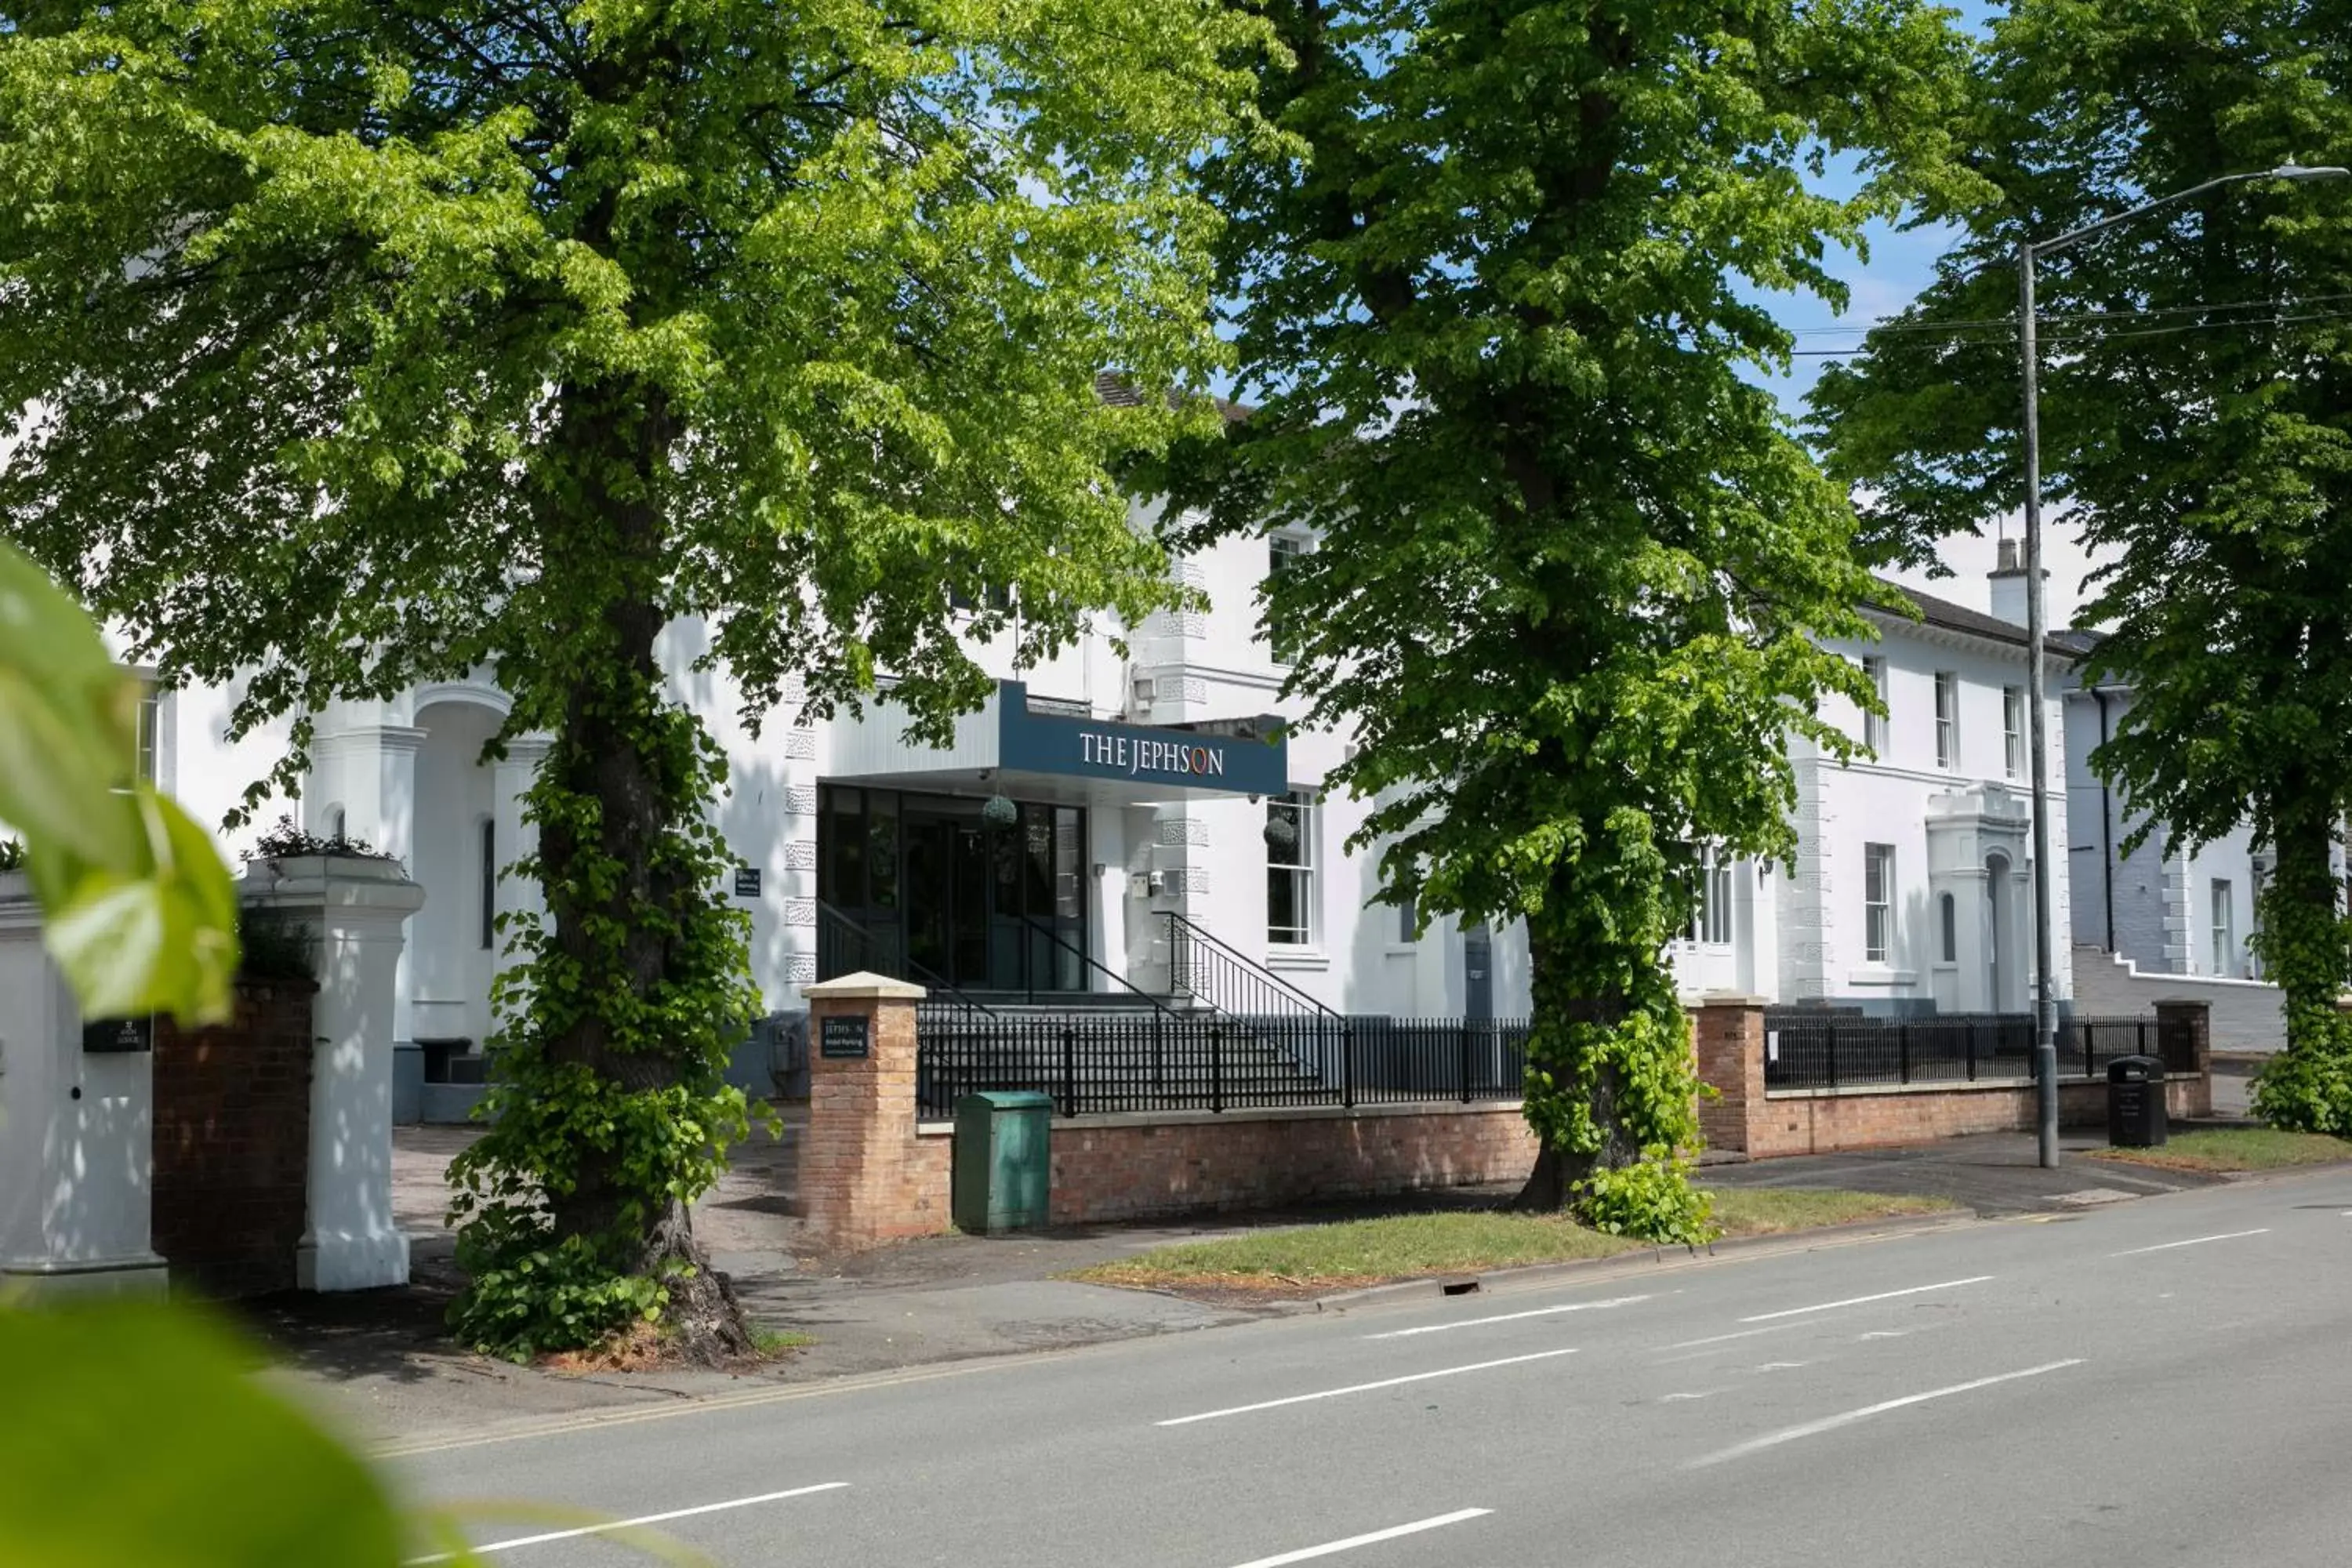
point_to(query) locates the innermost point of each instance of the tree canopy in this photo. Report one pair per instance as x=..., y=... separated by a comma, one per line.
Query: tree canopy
x=361, y=344
x=1573, y=566
x=2197, y=423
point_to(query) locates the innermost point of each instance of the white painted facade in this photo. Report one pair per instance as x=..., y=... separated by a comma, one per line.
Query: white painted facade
x=2153, y=918
x=1943, y=923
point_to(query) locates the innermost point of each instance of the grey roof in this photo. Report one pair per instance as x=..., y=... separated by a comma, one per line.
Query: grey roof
x=1951, y=617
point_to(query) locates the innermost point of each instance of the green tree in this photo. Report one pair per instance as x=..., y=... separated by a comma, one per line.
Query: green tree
x=2197, y=399
x=1572, y=566
x=137, y=908
x=364, y=344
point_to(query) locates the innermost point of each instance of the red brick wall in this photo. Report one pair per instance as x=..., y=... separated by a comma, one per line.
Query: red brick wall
x=232, y=1142
x=1824, y=1122
x=1110, y=1168
x=1729, y=1040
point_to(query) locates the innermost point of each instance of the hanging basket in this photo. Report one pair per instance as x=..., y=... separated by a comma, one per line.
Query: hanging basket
x=1281, y=832
x=1000, y=811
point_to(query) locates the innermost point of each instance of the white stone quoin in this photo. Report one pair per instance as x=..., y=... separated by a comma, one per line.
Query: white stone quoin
x=356, y=908
x=75, y=1131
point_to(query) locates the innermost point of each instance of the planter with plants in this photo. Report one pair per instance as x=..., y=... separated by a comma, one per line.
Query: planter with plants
x=292, y=853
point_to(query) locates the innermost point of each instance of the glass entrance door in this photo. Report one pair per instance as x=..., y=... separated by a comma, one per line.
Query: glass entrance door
x=981, y=907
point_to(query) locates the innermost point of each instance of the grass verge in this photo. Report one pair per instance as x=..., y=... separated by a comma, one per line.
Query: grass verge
x=771, y=1342
x=2235, y=1148
x=1311, y=1259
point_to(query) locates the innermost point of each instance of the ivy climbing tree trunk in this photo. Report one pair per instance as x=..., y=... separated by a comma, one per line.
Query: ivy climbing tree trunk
x=615, y=350
x=2305, y=946
x=1573, y=570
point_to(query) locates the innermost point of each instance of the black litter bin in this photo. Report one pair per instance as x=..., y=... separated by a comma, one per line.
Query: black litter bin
x=2136, y=1102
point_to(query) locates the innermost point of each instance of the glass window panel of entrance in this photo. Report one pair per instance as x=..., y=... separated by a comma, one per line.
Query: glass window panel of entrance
x=924, y=883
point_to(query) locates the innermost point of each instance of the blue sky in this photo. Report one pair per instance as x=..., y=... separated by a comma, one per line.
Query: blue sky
x=1900, y=264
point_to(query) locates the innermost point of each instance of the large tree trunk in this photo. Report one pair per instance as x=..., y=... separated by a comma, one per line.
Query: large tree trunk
x=1564, y=995
x=607, y=871
x=2303, y=944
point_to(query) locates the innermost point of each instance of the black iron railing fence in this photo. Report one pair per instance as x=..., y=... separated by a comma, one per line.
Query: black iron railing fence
x=1806, y=1049
x=1129, y=1060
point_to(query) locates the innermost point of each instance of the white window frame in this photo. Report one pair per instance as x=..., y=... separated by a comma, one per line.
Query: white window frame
x=1947, y=719
x=1877, y=903
x=1280, y=548
x=1711, y=916
x=2224, y=924
x=150, y=731
x=2013, y=729
x=1305, y=807
x=1874, y=725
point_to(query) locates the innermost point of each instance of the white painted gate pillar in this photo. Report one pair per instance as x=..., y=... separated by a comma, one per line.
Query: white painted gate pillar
x=357, y=909
x=75, y=1130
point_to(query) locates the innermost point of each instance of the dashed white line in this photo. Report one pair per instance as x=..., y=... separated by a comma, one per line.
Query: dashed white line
x=1372, y=1538
x=1362, y=1388
x=1725, y=1339
x=609, y=1526
x=1508, y=1316
x=1832, y=1422
x=2192, y=1241
x=1861, y=1300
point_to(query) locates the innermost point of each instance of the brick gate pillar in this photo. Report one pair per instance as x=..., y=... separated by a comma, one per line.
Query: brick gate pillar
x=1728, y=1032
x=862, y=1178
x=2196, y=1017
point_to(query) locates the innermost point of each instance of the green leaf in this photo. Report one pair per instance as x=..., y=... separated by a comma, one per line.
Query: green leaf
x=136, y=1434
x=162, y=938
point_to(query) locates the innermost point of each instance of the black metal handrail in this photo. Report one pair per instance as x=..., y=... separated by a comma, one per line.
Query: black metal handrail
x=1029, y=983
x=897, y=964
x=1205, y=969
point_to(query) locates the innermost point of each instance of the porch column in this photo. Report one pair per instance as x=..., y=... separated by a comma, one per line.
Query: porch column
x=76, y=1129
x=515, y=837
x=359, y=910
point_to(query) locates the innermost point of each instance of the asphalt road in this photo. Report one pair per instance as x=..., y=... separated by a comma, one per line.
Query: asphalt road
x=2167, y=1381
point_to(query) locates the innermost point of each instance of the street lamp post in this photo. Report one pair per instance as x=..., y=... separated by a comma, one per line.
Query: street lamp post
x=2045, y=1006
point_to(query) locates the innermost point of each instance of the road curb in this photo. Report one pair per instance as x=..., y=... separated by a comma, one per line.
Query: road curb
x=1645, y=1258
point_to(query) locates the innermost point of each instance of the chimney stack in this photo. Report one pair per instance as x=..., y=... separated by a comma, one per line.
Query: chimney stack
x=2009, y=585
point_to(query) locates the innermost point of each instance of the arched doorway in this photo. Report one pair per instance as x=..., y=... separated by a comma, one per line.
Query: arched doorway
x=2001, y=934
x=455, y=857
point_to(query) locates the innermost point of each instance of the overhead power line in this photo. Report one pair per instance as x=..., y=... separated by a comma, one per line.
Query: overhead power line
x=2243, y=323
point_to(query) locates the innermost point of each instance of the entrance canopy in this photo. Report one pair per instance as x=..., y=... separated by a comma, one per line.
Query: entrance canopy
x=1025, y=746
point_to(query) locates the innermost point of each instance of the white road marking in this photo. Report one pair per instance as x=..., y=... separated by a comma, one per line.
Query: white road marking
x=1415, y=1527
x=611, y=1525
x=2192, y=1241
x=1722, y=1339
x=1676, y=1398
x=1859, y=1301
x=1362, y=1388
x=1507, y=1317
x=1832, y=1422
x=1782, y=1365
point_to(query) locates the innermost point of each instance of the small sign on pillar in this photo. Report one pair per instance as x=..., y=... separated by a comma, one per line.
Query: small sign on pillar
x=844, y=1036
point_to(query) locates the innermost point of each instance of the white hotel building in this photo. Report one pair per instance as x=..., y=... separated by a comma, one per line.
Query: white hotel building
x=1098, y=800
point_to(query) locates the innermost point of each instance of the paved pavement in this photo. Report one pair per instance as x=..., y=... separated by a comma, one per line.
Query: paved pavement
x=2161, y=1381
x=1995, y=1174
